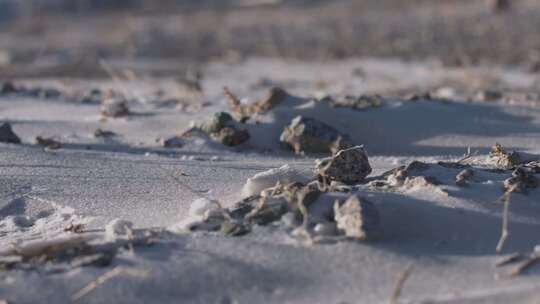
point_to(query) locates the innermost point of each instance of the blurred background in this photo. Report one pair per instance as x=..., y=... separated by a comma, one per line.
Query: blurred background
x=69, y=37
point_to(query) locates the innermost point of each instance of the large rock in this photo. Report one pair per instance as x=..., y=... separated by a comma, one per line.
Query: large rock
x=7, y=135
x=309, y=135
x=349, y=166
x=358, y=218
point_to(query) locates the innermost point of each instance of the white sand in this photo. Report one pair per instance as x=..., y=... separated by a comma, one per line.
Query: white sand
x=450, y=240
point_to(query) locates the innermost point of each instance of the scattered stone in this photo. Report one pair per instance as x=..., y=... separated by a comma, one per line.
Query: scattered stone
x=326, y=229
x=104, y=133
x=463, y=176
x=349, y=166
x=218, y=121
x=358, y=218
x=173, y=142
x=488, y=95
x=309, y=135
x=409, y=176
x=361, y=102
x=231, y=136
x=274, y=97
x=75, y=228
x=114, y=107
x=7, y=135
x=48, y=143
x=94, y=96
x=522, y=179
x=8, y=87
x=223, y=128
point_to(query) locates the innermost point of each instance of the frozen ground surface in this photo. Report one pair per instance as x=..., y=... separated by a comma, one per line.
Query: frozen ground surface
x=450, y=239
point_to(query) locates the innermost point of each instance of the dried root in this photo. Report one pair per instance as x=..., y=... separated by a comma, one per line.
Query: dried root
x=275, y=97
x=403, y=276
x=106, y=277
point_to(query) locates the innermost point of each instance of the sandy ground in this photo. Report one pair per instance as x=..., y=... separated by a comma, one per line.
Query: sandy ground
x=449, y=238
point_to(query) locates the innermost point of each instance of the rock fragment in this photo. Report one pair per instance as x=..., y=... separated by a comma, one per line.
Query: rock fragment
x=361, y=102
x=48, y=143
x=231, y=136
x=103, y=133
x=522, y=179
x=223, y=128
x=358, y=218
x=173, y=142
x=488, y=95
x=349, y=166
x=7, y=135
x=463, y=176
x=309, y=135
x=114, y=107
x=8, y=87
x=217, y=122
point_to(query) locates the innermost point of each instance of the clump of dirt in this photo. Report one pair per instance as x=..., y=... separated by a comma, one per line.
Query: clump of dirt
x=7, y=135
x=409, y=176
x=114, y=106
x=173, y=142
x=274, y=97
x=510, y=160
x=308, y=135
x=361, y=102
x=349, y=166
x=48, y=143
x=522, y=179
x=8, y=87
x=100, y=133
x=223, y=128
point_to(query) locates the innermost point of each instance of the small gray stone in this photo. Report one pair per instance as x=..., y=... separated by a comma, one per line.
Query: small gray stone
x=358, y=218
x=218, y=121
x=7, y=135
x=173, y=142
x=309, y=135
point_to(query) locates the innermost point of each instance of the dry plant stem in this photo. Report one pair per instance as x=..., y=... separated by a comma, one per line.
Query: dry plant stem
x=533, y=260
x=504, y=231
x=305, y=218
x=514, y=257
x=403, y=276
x=234, y=102
x=467, y=156
x=119, y=82
x=104, y=278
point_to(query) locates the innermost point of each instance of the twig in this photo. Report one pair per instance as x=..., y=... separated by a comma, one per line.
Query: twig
x=403, y=276
x=467, y=155
x=531, y=261
x=504, y=230
x=514, y=257
x=104, y=278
